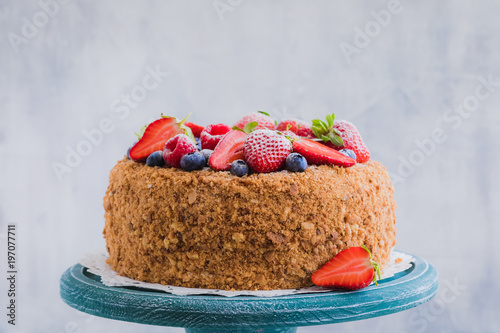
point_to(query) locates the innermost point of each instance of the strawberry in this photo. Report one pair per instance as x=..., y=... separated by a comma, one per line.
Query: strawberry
x=351, y=269
x=306, y=132
x=212, y=134
x=155, y=135
x=262, y=118
x=340, y=134
x=229, y=149
x=177, y=147
x=196, y=129
x=266, y=150
x=300, y=127
x=317, y=153
x=352, y=140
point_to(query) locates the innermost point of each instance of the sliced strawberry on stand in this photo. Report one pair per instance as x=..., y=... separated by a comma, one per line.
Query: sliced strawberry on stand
x=156, y=134
x=317, y=153
x=196, y=129
x=351, y=269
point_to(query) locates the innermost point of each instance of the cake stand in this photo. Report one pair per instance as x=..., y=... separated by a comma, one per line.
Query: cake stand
x=83, y=291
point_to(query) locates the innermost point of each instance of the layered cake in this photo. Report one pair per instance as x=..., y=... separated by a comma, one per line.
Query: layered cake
x=263, y=209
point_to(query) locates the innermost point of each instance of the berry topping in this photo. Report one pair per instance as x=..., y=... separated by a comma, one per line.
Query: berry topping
x=155, y=159
x=266, y=150
x=326, y=131
x=128, y=150
x=350, y=269
x=177, y=147
x=300, y=127
x=212, y=134
x=262, y=118
x=352, y=140
x=196, y=129
x=229, y=149
x=348, y=152
x=155, y=135
x=340, y=134
x=296, y=163
x=207, y=153
x=318, y=153
x=239, y=168
x=193, y=161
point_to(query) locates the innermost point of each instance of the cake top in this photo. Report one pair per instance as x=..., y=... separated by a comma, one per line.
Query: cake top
x=255, y=144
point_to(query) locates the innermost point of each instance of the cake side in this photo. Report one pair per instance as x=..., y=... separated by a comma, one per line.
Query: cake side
x=207, y=229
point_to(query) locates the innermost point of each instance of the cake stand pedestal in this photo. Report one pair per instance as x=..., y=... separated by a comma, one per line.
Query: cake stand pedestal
x=83, y=291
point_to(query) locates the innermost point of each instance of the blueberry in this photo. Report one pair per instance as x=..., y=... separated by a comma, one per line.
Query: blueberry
x=155, y=159
x=239, y=168
x=128, y=150
x=348, y=152
x=198, y=143
x=296, y=162
x=207, y=153
x=193, y=161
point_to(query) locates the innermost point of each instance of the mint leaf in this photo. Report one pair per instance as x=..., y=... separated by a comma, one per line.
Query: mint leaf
x=250, y=127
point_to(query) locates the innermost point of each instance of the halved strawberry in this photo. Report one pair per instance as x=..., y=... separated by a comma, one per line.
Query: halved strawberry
x=229, y=149
x=318, y=153
x=155, y=136
x=196, y=129
x=351, y=269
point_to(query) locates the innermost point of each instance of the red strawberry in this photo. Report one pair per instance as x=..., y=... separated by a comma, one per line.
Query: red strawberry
x=305, y=132
x=352, y=140
x=177, y=147
x=212, y=134
x=262, y=118
x=266, y=150
x=155, y=136
x=340, y=134
x=317, y=153
x=196, y=129
x=229, y=149
x=300, y=127
x=349, y=269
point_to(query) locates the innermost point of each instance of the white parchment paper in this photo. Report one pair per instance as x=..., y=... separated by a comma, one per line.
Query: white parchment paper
x=96, y=264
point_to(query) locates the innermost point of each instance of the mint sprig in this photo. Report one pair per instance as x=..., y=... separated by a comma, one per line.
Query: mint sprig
x=325, y=131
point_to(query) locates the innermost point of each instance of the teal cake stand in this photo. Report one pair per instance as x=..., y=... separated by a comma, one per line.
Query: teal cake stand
x=83, y=291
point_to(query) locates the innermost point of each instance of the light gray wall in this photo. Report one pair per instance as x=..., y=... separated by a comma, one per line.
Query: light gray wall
x=404, y=88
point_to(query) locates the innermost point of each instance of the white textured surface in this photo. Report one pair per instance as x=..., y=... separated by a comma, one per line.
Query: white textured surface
x=282, y=56
x=96, y=263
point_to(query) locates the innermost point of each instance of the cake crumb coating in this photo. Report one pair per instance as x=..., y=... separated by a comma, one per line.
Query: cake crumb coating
x=211, y=229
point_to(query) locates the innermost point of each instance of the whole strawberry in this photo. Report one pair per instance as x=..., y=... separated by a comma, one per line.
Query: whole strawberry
x=263, y=119
x=177, y=147
x=266, y=150
x=352, y=140
x=340, y=134
x=300, y=127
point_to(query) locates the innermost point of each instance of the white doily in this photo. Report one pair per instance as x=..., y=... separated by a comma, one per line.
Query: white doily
x=96, y=264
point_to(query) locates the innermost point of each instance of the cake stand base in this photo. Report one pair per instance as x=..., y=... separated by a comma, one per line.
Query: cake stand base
x=83, y=291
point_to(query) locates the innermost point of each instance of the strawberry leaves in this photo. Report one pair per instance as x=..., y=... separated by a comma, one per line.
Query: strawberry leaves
x=325, y=130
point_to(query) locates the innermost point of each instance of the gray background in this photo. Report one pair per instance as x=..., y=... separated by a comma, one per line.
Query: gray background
x=410, y=79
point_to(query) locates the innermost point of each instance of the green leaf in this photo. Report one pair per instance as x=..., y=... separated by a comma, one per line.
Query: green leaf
x=336, y=140
x=236, y=128
x=316, y=122
x=189, y=133
x=329, y=120
x=316, y=132
x=250, y=127
x=325, y=138
x=267, y=114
